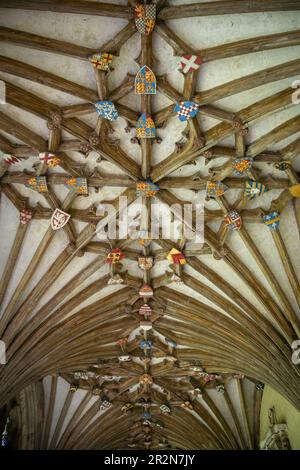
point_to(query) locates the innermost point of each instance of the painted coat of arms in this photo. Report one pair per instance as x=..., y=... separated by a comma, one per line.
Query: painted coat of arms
x=145, y=127
x=49, y=159
x=146, y=188
x=145, y=310
x=241, y=165
x=145, y=263
x=189, y=63
x=115, y=256
x=38, y=183
x=146, y=291
x=176, y=257
x=101, y=60
x=25, y=216
x=145, y=82
x=233, y=220
x=272, y=220
x=144, y=17
x=254, y=189
x=186, y=110
x=59, y=219
x=146, y=344
x=107, y=110
x=215, y=189
x=105, y=405
x=78, y=184
x=9, y=159
x=115, y=280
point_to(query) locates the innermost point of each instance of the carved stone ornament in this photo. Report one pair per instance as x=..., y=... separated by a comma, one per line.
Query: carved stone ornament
x=146, y=379
x=125, y=408
x=187, y=405
x=56, y=120
x=277, y=436
x=85, y=148
x=260, y=386
x=283, y=165
x=94, y=139
x=145, y=310
x=81, y=375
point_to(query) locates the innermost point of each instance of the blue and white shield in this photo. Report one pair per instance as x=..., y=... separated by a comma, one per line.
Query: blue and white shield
x=254, y=189
x=272, y=220
x=107, y=110
x=186, y=110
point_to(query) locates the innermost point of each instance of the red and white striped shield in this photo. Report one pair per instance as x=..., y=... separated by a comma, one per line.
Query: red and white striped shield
x=189, y=63
x=59, y=219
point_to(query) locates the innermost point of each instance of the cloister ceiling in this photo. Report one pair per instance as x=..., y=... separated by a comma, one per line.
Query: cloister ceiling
x=195, y=379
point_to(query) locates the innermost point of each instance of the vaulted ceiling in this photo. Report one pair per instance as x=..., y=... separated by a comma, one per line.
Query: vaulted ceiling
x=82, y=371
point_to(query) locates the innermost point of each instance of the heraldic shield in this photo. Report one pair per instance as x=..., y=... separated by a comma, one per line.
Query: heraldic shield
x=146, y=188
x=78, y=184
x=49, y=159
x=145, y=310
x=241, y=165
x=145, y=262
x=115, y=256
x=189, y=63
x=25, y=216
x=272, y=220
x=38, y=183
x=233, y=220
x=107, y=110
x=254, y=189
x=144, y=17
x=59, y=219
x=145, y=291
x=215, y=189
x=186, y=110
x=101, y=61
x=145, y=127
x=145, y=82
x=176, y=257
x=9, y=159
